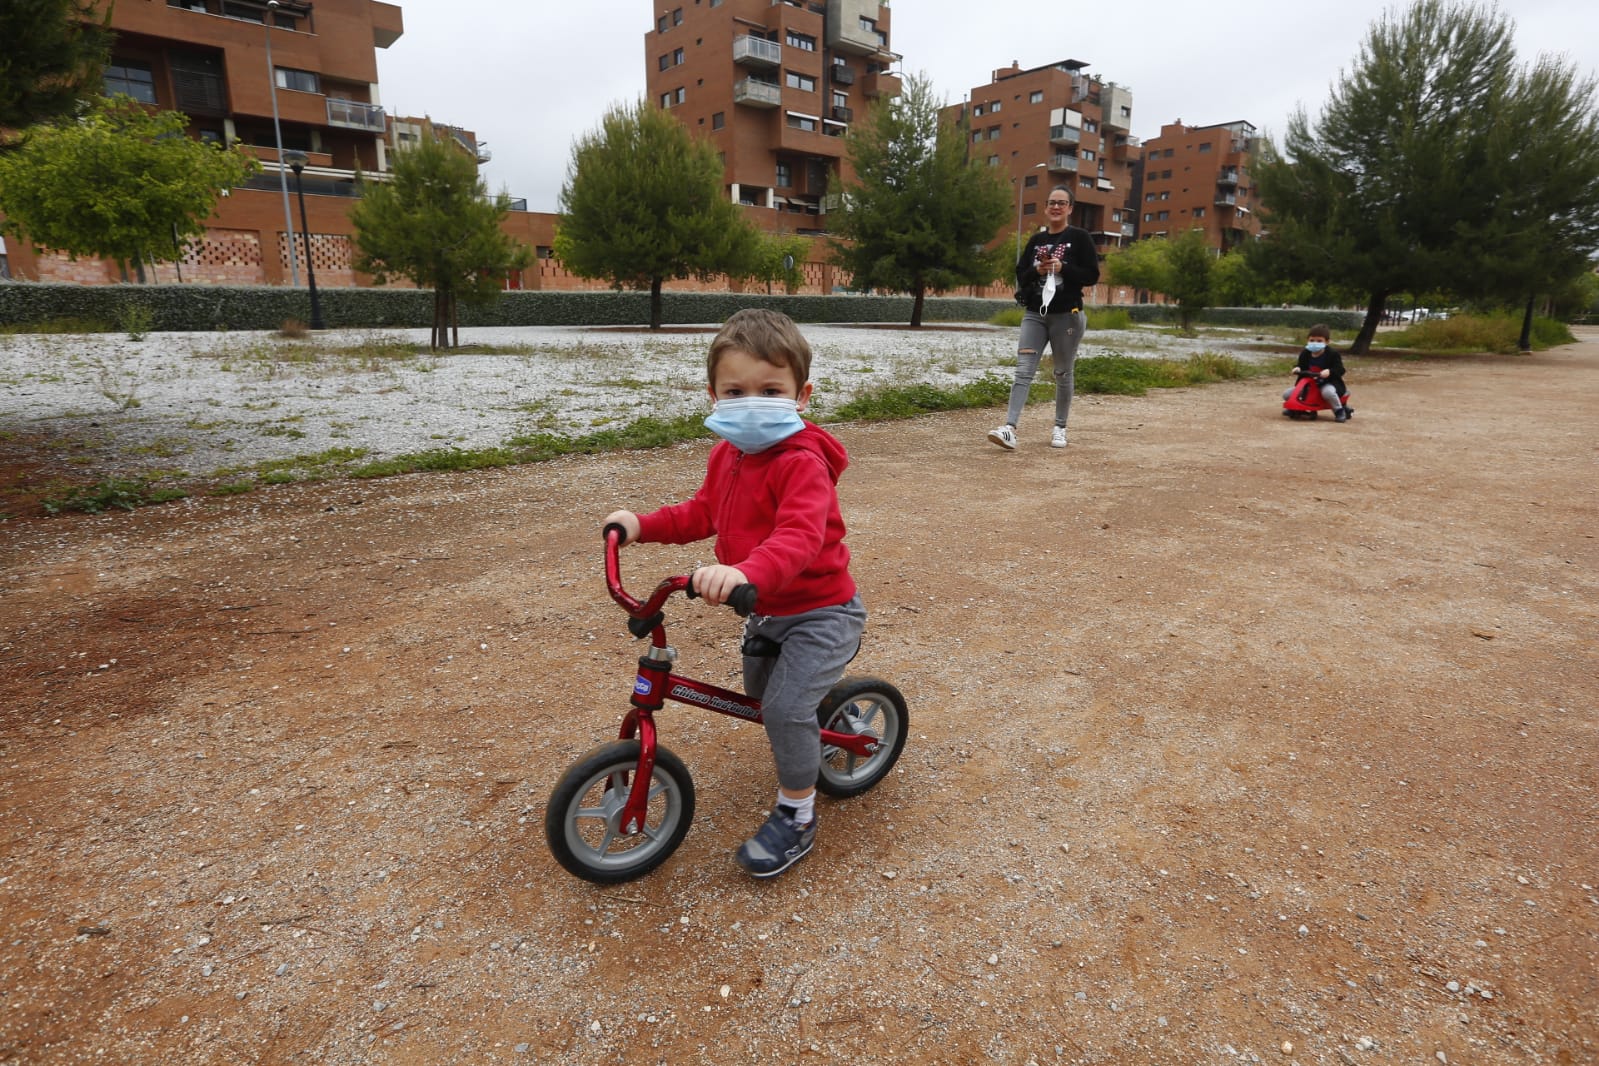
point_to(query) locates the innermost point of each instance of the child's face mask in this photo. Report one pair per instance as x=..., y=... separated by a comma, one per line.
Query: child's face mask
x=755, y=423
x=1317, y=346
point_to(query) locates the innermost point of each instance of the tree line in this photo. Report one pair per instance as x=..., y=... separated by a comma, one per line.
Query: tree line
x=1439, y=165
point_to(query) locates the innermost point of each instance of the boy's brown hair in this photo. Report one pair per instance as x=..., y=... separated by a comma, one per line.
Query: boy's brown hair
x=1319, y=330
x=769, y=336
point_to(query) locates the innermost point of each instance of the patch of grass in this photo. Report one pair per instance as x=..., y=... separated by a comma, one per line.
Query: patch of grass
x=908, y=401
x=65, y=324
x=162, y=447
x=1109, y=318
x=1123, y=375
x=1010, y=316
x=123, y=493
x=1499, y=334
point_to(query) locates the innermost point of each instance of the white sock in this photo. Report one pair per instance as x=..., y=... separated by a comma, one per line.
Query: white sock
x=804, y=809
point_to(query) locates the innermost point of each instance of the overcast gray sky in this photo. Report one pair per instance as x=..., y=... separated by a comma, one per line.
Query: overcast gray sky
x=530, y=76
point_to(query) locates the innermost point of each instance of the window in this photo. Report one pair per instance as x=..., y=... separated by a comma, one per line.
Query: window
x=977, y=135
x=801, y=122
x=785, y=176
x=803, y=41
x=718, y=120
x=1199, y=212
x=993, y=133
x=1030, y=181
x=1204, y=148
x=663, y=62
x=1029, y=209
x=1090, y=126
x=1165, y=194
x=1148, y=217
x=1088, y=154
x=1036, y=97
x=796, y=80
x=993, y=160
x=840, y=99
x=130, y=78
x=1149, y=197
x=1165, y=173
x=677, y=57
x=977, y=111
x=1163, y=216
x=662, y=23
x=994, y=108
x=677, y=20
x=301, y=81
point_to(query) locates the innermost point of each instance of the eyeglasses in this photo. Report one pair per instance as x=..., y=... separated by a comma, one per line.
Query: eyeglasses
x=1057, y=203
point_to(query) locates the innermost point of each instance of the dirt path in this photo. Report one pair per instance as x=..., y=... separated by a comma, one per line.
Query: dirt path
x=1228, y=734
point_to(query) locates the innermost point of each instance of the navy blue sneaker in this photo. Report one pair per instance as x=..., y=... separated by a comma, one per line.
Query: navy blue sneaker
x=776, y=846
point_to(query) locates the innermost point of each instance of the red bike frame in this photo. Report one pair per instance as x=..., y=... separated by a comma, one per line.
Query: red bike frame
x=656, y=683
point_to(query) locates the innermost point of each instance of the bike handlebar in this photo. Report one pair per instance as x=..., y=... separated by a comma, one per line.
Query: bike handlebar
x=741, y=600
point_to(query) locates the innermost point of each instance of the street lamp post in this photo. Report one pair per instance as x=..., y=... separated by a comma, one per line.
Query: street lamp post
x=277, y=131
x=297, y=161
x=1021, y=180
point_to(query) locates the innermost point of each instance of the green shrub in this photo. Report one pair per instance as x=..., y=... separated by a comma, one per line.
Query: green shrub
x=1109, y=318
x=1499, y=334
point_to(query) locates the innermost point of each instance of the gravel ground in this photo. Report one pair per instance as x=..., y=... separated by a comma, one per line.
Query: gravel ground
x=1211, y=762
x=203, y=402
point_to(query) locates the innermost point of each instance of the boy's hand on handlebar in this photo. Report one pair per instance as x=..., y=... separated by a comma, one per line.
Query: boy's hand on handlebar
x=717, y=582
x=627, y=520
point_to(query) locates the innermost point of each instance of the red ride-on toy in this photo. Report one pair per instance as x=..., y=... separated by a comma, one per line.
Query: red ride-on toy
x=1304, y=399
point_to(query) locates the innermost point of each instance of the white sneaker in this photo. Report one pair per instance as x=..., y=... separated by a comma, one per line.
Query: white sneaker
x=1004, y=436
x=1057, y=439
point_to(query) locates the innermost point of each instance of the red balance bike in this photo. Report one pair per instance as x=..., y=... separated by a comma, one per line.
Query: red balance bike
x=623, y=808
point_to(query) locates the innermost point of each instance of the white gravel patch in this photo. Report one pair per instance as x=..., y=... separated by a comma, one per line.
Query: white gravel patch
x=203, y=403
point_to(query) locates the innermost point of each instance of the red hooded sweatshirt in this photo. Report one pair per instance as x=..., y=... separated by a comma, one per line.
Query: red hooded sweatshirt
x=775, y=516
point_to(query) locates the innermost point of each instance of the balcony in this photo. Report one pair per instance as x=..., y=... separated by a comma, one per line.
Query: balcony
x=1104, y=185
x=1063, y=135
x=1229, y=176
x=881, y=84
x=1226, y=199
x=355, y=115
x=843, y=114
x=754, y=93
x=757, y=52
x=1063, y=163
x=842, y=75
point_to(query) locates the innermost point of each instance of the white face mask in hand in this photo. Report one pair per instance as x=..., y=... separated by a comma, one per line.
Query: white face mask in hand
x=1049, y=293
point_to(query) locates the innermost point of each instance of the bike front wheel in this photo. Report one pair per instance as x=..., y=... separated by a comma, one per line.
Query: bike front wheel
x=861, y=705
x=583, y=821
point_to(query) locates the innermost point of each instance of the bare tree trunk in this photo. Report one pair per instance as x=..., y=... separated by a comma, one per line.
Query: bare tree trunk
x=1368, y=328
x=917, y=305
x=1525, y=343
x=455, y=321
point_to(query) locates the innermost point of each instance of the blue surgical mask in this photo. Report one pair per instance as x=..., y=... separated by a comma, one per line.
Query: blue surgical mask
x=755, y=423
x=1316, y=346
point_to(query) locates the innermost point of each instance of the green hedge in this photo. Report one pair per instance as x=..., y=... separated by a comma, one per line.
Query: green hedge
x=262, y=307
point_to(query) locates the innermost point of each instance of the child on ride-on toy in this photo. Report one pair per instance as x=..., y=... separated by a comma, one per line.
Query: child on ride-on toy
x=770, y=498
x=1319, y=360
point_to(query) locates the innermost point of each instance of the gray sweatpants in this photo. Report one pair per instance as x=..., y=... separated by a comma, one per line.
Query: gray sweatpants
x=1063, y=332
x=1328, y=393
x=817, y=646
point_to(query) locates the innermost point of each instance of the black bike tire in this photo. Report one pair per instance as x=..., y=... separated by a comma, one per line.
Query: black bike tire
x=847, y=778
x=597, y=864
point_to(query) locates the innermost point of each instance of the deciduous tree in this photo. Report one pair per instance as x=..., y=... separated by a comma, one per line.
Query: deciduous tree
x=1180, y=267
x=644, y=203
x=120, y=183
x=918, y=214
x=434, y=223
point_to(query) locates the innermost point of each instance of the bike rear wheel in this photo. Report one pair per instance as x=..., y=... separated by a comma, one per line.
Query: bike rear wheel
x=861, y=705
x=583, y=821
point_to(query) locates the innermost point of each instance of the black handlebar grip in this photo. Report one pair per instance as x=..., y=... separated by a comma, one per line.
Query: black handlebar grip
x=620, y=529
x=742, y=600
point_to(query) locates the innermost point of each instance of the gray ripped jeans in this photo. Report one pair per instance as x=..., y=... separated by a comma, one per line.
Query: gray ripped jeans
x=1063, y=332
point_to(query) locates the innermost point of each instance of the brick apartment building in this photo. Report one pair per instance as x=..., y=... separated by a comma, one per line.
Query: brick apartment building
x=1198, y=177
x=208, y=59
x=775, y=85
